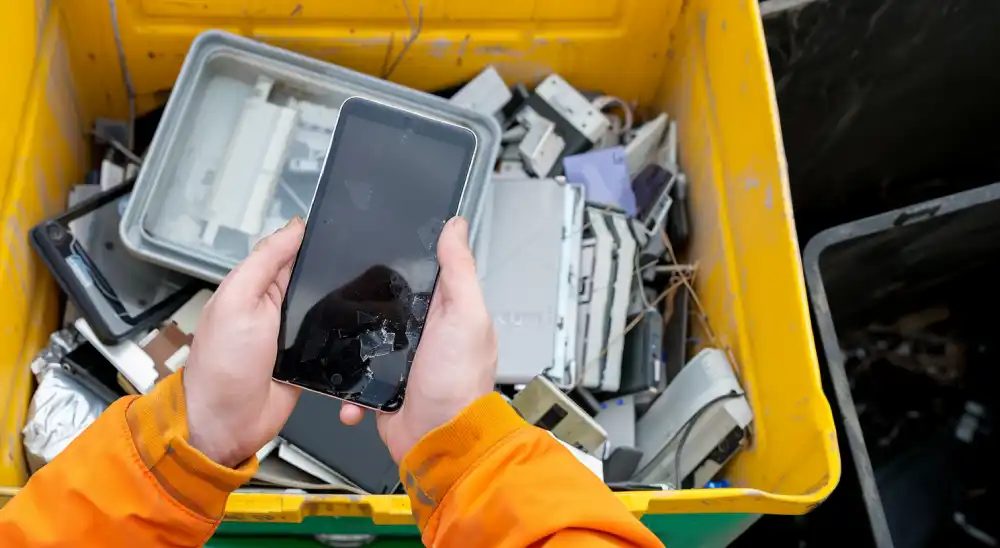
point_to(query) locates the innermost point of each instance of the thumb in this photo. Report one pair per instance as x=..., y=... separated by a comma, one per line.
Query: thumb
x=269, y=257
x=458, y=267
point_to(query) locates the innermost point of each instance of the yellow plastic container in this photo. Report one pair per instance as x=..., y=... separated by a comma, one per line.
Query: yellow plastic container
x=703, y=61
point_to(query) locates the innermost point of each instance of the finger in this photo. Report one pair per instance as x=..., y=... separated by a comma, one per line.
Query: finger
x=351, y=414
x=284, y=276
x=268, y=259
x=458, y=280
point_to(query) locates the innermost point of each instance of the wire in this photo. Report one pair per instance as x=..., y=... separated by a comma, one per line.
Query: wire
x=700, y=309
x=688, y=426
x=415, y=28
x=126, y=77
x=629, y=327
x=122, y=149
x=128, y=154
x=714, y=340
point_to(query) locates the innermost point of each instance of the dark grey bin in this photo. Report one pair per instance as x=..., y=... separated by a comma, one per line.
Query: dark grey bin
x=879, y=265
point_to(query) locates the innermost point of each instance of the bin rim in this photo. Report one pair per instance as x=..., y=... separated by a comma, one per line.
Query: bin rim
x=899, y=217
x=396, y=510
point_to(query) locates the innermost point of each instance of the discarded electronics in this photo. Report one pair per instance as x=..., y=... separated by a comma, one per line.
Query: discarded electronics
x=608, y=262
x=568, y=211
x=544, y=405
x=646, y=140
x=238, y=150
x=633, y=189
x=617, y=417
x=529, y=276
x=642, y=362
x=149, y=358
x=118, y=294
x=334, y=452
x=486, y=93
x=604, y=176
x=552, y=122
x=695, y=426
x=576, y=124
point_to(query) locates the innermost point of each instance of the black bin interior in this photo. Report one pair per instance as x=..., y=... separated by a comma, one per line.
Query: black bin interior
x=903, y=306
x=884, y=104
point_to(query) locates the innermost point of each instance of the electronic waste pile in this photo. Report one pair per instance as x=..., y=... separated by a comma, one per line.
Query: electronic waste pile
x=578, y=217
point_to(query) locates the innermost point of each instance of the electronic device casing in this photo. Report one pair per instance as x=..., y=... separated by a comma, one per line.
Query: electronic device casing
x=718, y=429
x=53, y=239
x=532, y=292
x=543, y=404
x=356, y=453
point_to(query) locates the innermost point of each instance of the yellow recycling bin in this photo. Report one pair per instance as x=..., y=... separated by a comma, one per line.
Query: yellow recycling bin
x=702, y=61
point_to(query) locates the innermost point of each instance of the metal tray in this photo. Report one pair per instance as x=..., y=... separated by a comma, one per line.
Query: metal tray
x=216, y=53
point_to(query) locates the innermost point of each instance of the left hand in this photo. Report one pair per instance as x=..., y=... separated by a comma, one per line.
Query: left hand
x=233, y=405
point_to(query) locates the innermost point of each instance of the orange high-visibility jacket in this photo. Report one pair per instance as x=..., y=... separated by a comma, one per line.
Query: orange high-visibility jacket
x=486, y=478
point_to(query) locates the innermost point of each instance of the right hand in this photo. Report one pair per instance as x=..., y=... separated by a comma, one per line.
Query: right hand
x=456, y=360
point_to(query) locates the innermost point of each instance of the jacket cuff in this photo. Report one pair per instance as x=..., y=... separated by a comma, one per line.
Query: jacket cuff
x=445, y=454
x=159, y=428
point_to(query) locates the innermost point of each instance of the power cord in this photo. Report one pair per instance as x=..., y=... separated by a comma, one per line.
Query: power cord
x=688, y=426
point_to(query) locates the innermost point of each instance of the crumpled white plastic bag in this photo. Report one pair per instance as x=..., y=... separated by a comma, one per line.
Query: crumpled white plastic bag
x=60, y=410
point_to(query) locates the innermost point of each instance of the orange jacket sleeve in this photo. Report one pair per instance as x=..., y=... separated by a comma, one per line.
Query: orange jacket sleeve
x=484, y=479
x=487, y=478
x=130, y=479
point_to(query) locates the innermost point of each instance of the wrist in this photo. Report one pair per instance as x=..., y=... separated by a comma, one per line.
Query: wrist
x=160, y=429
x=216, y=443
x=216, y=449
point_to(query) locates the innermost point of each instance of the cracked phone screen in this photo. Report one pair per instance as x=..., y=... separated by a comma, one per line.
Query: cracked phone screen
x=363, y=279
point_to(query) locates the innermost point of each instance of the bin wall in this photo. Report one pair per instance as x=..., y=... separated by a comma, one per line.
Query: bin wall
x=718, y=84
x=45, y=154
x=614, y=46
x=703, y=61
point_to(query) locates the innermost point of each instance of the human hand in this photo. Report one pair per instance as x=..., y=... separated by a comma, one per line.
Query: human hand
x=456, y=359
x=233, y=405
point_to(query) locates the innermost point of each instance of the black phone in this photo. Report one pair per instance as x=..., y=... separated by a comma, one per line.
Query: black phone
x=118, y=294
x=363, y=279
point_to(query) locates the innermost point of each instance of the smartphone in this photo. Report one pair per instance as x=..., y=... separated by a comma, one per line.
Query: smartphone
x=364, y=276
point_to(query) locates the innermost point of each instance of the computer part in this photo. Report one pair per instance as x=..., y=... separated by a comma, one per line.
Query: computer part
x=617, y=418
x=544, y=405
x=642, y=365
x=118, y=294
x=695, y=426
x=356, y=453
x=529, y=288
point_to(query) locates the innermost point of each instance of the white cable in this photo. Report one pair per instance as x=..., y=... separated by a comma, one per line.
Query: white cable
x=603, y=102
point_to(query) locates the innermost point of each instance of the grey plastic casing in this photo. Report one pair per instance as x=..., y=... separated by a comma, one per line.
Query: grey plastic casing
x=286, y=67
